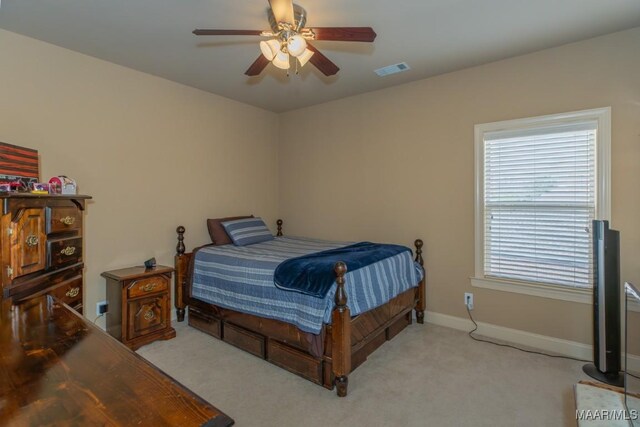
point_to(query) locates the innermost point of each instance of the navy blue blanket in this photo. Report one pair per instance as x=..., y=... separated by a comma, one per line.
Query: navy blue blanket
x=313, y=274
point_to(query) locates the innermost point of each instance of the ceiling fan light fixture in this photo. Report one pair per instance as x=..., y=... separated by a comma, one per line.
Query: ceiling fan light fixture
x=289, y=37
x=296, y=45
x=281, y=61
x=305, y=57
x=270, y=48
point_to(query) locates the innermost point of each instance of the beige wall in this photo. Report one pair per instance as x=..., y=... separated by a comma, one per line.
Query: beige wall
x=153, y=154
x=390, y=165
x=397, y=164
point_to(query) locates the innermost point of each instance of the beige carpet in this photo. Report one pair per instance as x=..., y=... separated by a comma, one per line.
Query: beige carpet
x=426, y=376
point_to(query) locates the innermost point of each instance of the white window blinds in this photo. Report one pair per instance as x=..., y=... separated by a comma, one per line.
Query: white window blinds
x=539, y=200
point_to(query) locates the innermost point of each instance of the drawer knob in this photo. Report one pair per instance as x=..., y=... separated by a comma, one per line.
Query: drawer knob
x=68, y=251
x=149, y=287
x=149, y=315
x=32, y=240
x=68, y=220
x=73, y=292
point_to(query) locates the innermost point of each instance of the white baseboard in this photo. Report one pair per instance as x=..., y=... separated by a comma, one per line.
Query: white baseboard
x=529, y=339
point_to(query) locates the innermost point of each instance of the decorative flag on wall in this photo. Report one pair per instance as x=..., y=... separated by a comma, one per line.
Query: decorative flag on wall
x=18, y=164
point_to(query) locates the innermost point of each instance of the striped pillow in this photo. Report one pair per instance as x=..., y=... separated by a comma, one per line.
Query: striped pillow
x=247, y=231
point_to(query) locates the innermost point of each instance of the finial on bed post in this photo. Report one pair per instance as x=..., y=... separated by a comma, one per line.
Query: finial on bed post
x=419, y=259
x=180, y=247
x=179, y=275
x=420, y=293
x=341, y=333
x=279, y=223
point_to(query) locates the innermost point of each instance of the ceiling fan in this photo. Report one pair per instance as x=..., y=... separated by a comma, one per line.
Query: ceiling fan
x=290, y=38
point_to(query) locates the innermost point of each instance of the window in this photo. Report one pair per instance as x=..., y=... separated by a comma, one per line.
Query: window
x=539, y=184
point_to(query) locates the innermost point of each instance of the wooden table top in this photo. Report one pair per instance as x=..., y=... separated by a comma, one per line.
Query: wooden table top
x=56, y=368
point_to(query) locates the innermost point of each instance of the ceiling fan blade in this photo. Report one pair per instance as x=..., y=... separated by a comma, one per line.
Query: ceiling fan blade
x=199, y=32
x=283, y=10
x=257, y=66
x=322, y=63
x=345, y=34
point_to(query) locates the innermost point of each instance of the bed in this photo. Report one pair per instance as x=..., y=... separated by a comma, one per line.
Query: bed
x=321, y=344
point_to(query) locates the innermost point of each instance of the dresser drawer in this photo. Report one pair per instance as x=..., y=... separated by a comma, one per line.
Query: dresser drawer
x=148, y=286
x=147, y=315
x=64, y=251
x=70, y=292
x=61, y=219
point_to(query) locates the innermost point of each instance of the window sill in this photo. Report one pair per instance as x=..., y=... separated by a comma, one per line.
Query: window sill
x=583, y=296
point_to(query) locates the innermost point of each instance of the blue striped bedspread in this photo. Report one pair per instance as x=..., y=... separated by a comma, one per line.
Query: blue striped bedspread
x=241, y=278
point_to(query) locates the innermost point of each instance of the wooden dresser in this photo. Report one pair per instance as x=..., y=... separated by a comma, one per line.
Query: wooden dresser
x=57, y=369
x=41, y=241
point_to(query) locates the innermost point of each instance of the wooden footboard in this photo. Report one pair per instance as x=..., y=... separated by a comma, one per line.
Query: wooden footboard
x=341, y=334
x=348, y=341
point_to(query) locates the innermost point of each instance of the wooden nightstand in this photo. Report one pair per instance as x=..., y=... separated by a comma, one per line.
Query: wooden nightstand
x=139, y=305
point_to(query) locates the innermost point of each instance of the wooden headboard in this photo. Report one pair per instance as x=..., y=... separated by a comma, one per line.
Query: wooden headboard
x=183, y=268
x=183, y=275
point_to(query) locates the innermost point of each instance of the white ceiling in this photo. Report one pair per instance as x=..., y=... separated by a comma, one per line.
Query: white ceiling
x=433, y=36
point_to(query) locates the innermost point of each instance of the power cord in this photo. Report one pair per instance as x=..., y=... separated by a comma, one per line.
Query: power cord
x=470, y=333
x=96, y=319
x=513, y=346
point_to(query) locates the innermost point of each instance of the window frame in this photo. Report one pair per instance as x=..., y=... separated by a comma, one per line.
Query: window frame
x=603, y=198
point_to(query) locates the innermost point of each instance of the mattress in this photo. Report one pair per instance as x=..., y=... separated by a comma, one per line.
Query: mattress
x=241, y=278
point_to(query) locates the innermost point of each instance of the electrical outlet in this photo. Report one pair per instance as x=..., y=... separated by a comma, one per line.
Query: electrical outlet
x=468, y=300
x=102, y=307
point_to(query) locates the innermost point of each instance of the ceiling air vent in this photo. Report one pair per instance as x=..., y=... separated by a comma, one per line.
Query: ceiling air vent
x=392, y=69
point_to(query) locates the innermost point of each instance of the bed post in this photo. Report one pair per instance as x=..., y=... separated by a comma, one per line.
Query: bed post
x=180, y=266
x=420, y=303
x=341, y=333
x=279, y=223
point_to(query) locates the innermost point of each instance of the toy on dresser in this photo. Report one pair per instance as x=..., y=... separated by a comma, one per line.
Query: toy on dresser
x=62, y=185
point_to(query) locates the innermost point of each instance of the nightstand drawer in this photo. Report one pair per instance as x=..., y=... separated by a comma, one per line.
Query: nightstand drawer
x=147, y=315
x=151, y=285
x=64, y=251
x=63, y=219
